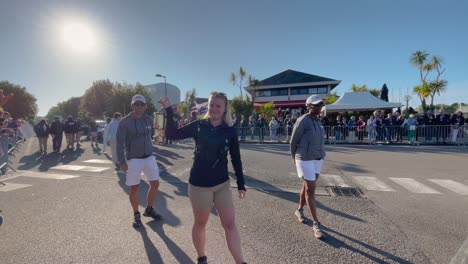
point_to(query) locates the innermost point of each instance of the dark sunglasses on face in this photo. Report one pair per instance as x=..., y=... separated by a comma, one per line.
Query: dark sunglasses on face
x=139, y=104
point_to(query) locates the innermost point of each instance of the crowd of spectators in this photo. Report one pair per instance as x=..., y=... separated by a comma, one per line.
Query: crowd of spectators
x=376, y=127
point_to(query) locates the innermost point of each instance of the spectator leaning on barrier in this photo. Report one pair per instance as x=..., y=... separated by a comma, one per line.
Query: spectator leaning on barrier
x=42, y=132
x=457, y=123
x=307, y=151
x=56, y=129
x=351, y=129
x=361, y=128
x=443, y=123
x=244, y=125
x=429, y=122
x=411, y=123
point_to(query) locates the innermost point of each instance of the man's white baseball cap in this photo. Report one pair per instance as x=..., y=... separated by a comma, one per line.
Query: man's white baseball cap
x=314, y=99
x=138, y=97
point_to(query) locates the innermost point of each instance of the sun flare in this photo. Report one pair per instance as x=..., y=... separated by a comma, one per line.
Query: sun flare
x=79, y=37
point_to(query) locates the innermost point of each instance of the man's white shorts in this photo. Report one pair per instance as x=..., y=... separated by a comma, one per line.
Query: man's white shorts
x=136, y=166
x=308, y=168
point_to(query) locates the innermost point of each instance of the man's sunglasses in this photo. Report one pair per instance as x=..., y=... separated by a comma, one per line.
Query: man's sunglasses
x=139, y=104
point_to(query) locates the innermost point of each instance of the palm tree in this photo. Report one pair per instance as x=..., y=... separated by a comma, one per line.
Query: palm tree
x=422, y=91
x=240, y=76
x=253, y=86
x=419, y=59
x=436, y=87
x=356, y=88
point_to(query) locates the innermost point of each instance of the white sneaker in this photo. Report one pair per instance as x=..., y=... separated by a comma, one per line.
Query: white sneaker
x=318, y=233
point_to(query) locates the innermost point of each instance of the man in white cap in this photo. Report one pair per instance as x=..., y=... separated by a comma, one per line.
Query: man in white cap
x=307, y=150
x=135, y=155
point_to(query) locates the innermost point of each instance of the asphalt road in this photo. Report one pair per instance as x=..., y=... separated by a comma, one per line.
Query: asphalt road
x=85, y=217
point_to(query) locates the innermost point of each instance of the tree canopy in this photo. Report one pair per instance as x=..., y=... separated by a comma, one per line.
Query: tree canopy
x=65, y=108
x=22, y=104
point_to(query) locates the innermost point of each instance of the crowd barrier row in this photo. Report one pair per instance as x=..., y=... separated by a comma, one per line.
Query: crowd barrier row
x=411, y=134
x=9, y=142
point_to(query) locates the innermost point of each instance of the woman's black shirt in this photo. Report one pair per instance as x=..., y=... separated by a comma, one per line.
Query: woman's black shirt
x=210, y=164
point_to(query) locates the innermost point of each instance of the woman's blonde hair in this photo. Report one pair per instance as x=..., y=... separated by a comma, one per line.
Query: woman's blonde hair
x=227, y=117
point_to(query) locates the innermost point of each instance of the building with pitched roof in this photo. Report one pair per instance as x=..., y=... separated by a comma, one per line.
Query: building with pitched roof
x=290, y=89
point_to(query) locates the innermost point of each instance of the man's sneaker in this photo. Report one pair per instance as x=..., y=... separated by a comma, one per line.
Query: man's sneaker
x=149, y=211
x=202, y=260
x=137, y=220
x=318, y=233
x=300, y=215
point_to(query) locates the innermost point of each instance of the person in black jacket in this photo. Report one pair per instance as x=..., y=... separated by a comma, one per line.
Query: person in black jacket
x=56, y=129
x=42, y=133
x=69, y=127
x=429, y=122
x=209, y=182
x=443, y=126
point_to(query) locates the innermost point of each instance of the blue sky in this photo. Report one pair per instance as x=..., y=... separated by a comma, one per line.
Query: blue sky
x=197, y=44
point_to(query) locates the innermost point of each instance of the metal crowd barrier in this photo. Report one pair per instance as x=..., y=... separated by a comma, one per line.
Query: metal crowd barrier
x=9, y=141
x=407, y=134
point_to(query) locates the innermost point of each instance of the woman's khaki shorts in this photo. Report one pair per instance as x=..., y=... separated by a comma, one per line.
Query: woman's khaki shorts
x=203, y=198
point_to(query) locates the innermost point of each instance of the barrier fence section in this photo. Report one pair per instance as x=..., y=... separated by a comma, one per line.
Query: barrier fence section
x=407, y=134
x=9, y=141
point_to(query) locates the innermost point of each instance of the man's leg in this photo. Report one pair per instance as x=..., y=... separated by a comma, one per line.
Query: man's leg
x=153, y=190
x=134, y=197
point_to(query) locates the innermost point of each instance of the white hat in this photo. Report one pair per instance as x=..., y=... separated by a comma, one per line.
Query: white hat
x=138, y=97
x=314, y=99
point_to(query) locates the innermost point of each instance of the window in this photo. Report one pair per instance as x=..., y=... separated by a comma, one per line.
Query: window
x=322, y=90
x=263, y=93
x=299, y=90
x=312, y=90
x=279, y=92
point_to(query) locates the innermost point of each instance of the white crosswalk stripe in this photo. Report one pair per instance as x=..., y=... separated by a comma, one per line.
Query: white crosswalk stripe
x=44, y=175
x=332, y=180
x=453, y=186
x=12, y=186
x=80, y=168
x=98, y=161
x=372, y=184
x=414, y=186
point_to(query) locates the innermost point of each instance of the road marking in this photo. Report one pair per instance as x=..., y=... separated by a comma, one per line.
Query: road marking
x=79, y=168
x=373, y=184
x=414, y=186
x=333, y=180
x=44, y=175
x=12, y=186
x=462, y=254
x=453, y=186
x=100, y=161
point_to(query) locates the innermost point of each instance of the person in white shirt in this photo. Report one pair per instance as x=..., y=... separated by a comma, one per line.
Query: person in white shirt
x=111, y=136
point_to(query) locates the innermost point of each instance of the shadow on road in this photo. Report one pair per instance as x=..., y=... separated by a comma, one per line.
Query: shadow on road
x=52, y=159
x=176, y=251
x=167, y=217
x=269, y=189
x=337, y=243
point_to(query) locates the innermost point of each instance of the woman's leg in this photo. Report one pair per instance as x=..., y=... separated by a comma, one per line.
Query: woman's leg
x=199, y=231
x=310, y=197
x=228, y=220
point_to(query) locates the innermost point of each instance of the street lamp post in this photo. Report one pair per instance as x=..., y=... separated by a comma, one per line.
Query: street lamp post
x=165, y=89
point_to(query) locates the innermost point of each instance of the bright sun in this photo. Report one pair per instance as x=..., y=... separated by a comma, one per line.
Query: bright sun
x=79, y=37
